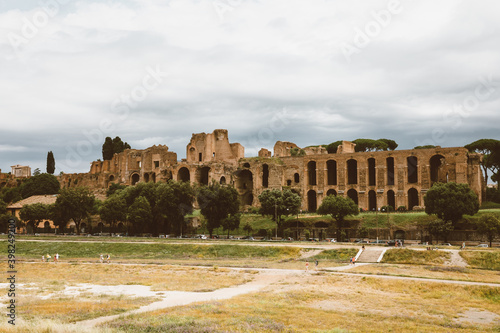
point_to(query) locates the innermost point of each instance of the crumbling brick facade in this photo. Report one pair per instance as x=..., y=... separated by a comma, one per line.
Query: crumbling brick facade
x=372, y=179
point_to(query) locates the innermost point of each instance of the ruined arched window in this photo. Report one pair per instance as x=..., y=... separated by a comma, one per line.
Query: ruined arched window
x=135, y=178
x=203, y=175
x=146, y=177
x=311, y=201
x=437, y=163
x=331, y=170
x=222, y=180
x=412, y=198
x=288, y=182
x=265, y=175
x=411, y=162
x=371, y=172
x=183, y=175
x=390, y=170
x=311, y=172
x=391, y=199
x=111, y=178
x=244, y=180
x=353, y=194
x=296, y=177
x=153, y=177
x=372, y=200
x=352, y=171
x=331, y=192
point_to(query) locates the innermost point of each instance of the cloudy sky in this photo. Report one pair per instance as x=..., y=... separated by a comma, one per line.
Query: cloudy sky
x=310, y=72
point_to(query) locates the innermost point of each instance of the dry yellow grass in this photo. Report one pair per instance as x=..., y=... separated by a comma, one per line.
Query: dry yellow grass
x=435, y=272
x=323, y=303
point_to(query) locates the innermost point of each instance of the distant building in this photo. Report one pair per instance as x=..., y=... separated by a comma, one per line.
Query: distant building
x=21, y=171
x=372, y=179
x=15, y=210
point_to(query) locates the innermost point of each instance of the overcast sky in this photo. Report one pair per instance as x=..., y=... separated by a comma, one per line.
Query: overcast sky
x=310, y=72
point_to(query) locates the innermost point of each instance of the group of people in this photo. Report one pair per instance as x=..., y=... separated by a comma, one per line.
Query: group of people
x=315, y=264
x=47, y=258
x=101, y=258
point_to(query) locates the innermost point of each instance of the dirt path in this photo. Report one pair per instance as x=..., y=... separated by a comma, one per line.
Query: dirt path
x=180, y=298
x=456, y=259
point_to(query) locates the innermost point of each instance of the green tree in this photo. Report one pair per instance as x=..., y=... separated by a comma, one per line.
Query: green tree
x=279, y=204
x=217, y=203
x=339, y=208
x=363, y=145
x=113, y=210
x=488, y=225
x=440, y=229
x=232, y=222
x=169, y=203
x=247, y=228
x=113, y=146
x=107, y=149
x=490, y=148
x=332, y=147
x=424, y=147
x=36, y=172
x=38, y=185
x=4, y=217
x=113, y=188
x=75, y=204
x=450, y=201
x=51, y=163
x=174, y=201
x=140, y=214
x=11, y=194
x=391, y=144
x=34, y=214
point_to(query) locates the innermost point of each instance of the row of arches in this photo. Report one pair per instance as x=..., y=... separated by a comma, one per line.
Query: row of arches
x=436, y=162
x=413, y=198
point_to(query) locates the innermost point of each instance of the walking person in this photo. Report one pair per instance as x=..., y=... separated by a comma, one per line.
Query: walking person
x=108, y=257
x=307, y=265
x=56, y=258
x=101, y=258
x=316, y=264
x=48, y=257
x=43, y=258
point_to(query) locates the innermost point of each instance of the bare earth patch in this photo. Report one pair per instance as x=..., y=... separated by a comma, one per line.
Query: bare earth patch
x=478, y=316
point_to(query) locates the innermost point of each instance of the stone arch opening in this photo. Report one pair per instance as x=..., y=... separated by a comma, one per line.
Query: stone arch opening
x=146, y=177
x=111, y=178
x=203, y=175
x=399, y=234
x=353, y=194
x=331, y=171
x=389, y=162
x=153, y=177
x=46, y=227
x=391, y=199
x=372, y=200
x=265, y=175
x=412, y=164
x=412, y=198
x=135, y=178
x=331, y=192
x=311, y=201
x=438, y=174
x=352, y=172
x=244, y=180
x=371, y=172
x=311, y=172
x=222, y=180
x=288, y=182
x=183, y=175
x=296, y=177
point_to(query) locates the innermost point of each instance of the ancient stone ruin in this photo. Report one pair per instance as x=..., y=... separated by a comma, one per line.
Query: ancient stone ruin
x=372, y=179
